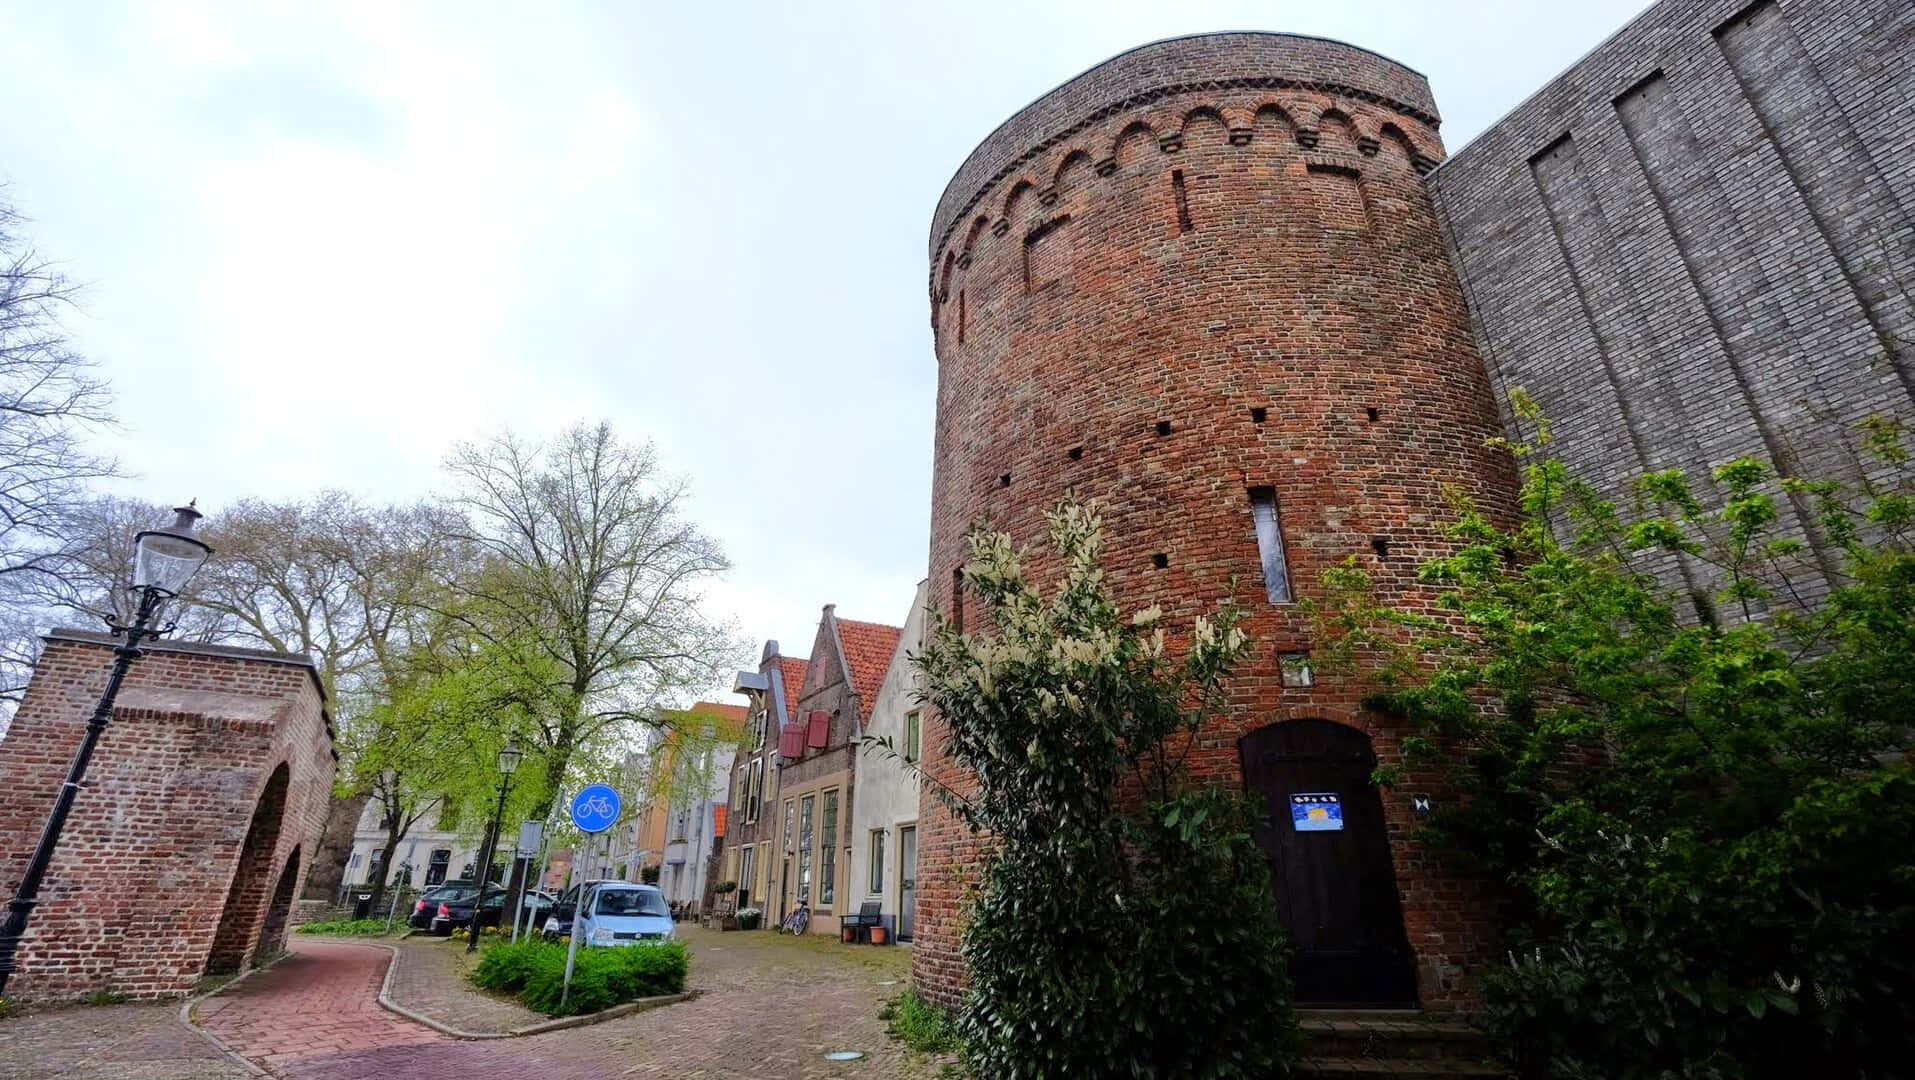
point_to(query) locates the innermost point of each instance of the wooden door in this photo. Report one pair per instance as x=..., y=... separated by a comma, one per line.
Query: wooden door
x=907, y=881
x=1335, y=885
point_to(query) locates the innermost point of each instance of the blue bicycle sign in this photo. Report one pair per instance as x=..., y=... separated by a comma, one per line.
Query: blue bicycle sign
x=595, y=808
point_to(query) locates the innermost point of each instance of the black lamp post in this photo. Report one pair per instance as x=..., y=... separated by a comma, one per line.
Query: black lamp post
x=508, y=760
x=164, y=561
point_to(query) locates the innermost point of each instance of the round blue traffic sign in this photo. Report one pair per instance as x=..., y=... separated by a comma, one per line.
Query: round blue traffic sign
x=595, y=808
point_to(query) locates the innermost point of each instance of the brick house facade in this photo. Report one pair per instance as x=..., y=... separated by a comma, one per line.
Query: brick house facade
x=205, y=798
x=750, y=847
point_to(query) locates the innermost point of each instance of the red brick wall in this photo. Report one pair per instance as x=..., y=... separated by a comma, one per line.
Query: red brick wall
x=134, y=897
x=1300, y=271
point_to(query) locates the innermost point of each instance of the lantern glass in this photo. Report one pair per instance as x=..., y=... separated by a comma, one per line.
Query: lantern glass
x=166, y=561
x=509, y=757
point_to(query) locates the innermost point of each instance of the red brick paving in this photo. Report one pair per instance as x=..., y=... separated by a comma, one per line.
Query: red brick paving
x=767, y=1008
x=318, y=1002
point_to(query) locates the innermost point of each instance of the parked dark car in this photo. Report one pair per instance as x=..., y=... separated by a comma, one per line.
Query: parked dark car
x=427, y=907
x=456, y=911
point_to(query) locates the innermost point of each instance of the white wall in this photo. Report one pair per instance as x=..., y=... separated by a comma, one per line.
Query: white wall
x=884, y=795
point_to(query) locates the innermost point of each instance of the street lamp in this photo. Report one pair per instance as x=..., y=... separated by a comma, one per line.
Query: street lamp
x=164, y=560
x=508, y=761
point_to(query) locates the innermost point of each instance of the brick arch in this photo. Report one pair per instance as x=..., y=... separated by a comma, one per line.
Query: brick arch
x=247, y=896
x=272, y=936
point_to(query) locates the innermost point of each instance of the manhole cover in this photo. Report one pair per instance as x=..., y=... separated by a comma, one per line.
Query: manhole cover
x=844, y=1055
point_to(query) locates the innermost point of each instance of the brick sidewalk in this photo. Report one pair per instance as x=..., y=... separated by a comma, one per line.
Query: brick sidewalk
x=433, y=978
x=142, y=1041
x=320, y=1001
x=768, y=1008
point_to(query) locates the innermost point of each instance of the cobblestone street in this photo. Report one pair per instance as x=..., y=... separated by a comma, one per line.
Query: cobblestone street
x=765, y=1006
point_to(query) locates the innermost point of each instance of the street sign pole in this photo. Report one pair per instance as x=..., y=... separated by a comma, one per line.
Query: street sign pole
x=594, y=810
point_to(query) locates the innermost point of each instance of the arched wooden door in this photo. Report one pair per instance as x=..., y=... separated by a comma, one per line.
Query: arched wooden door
x=1335, y=886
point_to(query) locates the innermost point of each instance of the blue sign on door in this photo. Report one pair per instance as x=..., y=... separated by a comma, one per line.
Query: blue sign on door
x=595, y=808
x=1316, y=811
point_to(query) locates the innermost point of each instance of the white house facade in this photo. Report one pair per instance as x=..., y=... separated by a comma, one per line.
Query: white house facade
x=884, y=801
x=434, y=855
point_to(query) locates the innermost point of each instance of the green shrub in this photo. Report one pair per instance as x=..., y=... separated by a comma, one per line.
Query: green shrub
x=601, y=977
x=1702, y=798
x=919, y=1024
x=345, y=927
x=1123, y=923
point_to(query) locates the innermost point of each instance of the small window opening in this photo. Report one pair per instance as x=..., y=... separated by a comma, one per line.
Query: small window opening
x=1373, y=413
x=1294, y=668
x=1163, y=427
x=1004, y=481
x=961, y=316
x=1276, y=571
x=1258, y=414
x=1380, y=545
x=957, y=598
x=1161, y=560
x=1183, y=200
x=1077, y=453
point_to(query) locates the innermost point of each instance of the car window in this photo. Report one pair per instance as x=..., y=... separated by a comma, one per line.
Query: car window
x=631, y=902
x=458, y=895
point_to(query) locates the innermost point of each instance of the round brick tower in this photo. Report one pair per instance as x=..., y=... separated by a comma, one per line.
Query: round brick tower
x=1203, y=281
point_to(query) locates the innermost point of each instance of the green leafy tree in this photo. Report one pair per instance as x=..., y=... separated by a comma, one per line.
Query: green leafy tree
x=1703, y=804
x=588, y=585
x=1122, y=923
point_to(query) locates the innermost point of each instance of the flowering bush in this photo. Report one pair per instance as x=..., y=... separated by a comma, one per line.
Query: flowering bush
x=1122, y=924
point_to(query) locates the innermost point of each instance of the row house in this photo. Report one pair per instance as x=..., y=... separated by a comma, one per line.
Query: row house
x=884, y=846
x=793, y=786
x=688, y=777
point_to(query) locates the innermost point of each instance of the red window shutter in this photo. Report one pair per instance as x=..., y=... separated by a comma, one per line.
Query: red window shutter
x=791, y=741
x=820, y=724
x=718, y=815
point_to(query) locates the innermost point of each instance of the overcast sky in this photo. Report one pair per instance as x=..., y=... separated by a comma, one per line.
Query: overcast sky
x=326, y=241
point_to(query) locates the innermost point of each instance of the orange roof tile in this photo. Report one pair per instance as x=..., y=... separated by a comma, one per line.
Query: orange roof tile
x=729, y=712
x=867, y=652
x=793, y=668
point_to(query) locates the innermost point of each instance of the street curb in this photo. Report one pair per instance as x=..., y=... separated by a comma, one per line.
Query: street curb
x=560, y=1024
x=187, y=1021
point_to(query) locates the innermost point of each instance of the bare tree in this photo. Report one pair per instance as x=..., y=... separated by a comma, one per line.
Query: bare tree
x=50, y=400
x=592, y=579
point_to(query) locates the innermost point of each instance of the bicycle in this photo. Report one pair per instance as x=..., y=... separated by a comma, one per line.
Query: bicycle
x=797, y=922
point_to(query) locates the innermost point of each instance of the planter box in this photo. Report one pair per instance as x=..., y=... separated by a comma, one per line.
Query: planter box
x=878, y=935
x=729, y=922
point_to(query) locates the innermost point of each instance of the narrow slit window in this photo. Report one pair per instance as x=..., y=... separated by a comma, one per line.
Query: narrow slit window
x=961, y=315
x=1183, y=200
x=957, y=599
x=1276, y=572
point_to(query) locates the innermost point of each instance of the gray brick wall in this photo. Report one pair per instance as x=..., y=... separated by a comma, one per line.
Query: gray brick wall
x=1698, y=242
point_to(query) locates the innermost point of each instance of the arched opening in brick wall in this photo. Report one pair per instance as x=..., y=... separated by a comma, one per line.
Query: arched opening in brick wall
x=1335, y=884
x=252, y=877
x=272, y=936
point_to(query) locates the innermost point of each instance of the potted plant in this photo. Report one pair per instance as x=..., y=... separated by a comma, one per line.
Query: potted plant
x=746, y=919
x=878, y=934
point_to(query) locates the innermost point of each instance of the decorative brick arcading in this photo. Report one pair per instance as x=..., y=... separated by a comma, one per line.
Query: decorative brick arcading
x=207, y=747
x=1206, y=267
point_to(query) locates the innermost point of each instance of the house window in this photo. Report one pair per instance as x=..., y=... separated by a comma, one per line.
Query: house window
x=828, y=850
x=744, y=875
x=375, y=867
x=436, y=866
x=755, y=789
x=911, y=736
x=877, y=861
x=790, y=809
x=806, y=808
x=764, y=869
x=1276, y=571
